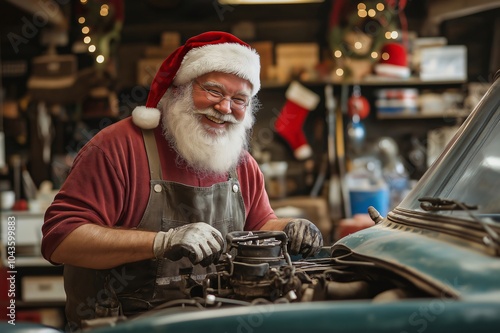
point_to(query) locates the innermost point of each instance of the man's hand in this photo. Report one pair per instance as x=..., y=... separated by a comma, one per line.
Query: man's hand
x=303, y=237
x=199, y=241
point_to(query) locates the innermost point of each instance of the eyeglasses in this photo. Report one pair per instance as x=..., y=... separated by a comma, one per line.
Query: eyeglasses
x=217, y=97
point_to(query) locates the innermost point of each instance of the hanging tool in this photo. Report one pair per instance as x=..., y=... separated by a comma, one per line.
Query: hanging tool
x=341, y=162
x=334, y=189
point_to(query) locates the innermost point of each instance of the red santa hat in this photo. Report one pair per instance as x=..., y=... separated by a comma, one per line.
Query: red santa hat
x=212, y=51
x=393, y=61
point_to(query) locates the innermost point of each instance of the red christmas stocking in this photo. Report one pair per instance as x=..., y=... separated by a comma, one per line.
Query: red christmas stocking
x=299, y=101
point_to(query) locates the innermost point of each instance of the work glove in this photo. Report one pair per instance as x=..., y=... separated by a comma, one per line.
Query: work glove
x=200, y=242
x=303, y=237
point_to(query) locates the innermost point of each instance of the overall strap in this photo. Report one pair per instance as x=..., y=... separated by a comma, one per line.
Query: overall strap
x=152, y=153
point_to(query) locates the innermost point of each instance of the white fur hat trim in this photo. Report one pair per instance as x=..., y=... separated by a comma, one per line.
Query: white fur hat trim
x=231, y=58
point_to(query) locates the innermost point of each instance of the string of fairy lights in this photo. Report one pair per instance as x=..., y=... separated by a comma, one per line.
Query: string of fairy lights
x=87, y=31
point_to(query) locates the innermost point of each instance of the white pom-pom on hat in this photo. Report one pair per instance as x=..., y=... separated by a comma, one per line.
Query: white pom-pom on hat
x=146, y=118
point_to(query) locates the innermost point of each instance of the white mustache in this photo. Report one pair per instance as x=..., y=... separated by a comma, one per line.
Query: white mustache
x=229, y=118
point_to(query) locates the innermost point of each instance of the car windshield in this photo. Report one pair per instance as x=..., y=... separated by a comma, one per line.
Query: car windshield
x=468, y=171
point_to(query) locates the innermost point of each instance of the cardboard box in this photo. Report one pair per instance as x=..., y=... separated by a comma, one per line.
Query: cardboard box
x=170, y=39
x=146, y=70
x=313, y=209
x=43, y=288
x=294, y=58
x=265, y=50
x=443, y=63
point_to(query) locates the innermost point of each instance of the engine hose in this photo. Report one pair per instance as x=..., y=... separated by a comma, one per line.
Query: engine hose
x=348, y=290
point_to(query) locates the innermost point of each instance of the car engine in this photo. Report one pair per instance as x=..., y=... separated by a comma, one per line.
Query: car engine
x=257, y=269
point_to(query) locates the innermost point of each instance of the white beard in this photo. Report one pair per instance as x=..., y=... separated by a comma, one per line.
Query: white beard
x=216, y=152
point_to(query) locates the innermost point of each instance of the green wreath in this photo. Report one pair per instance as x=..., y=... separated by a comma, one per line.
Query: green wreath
x=375, y=27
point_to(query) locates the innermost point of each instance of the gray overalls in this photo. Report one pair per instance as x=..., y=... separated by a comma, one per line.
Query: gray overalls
x=137, y=287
